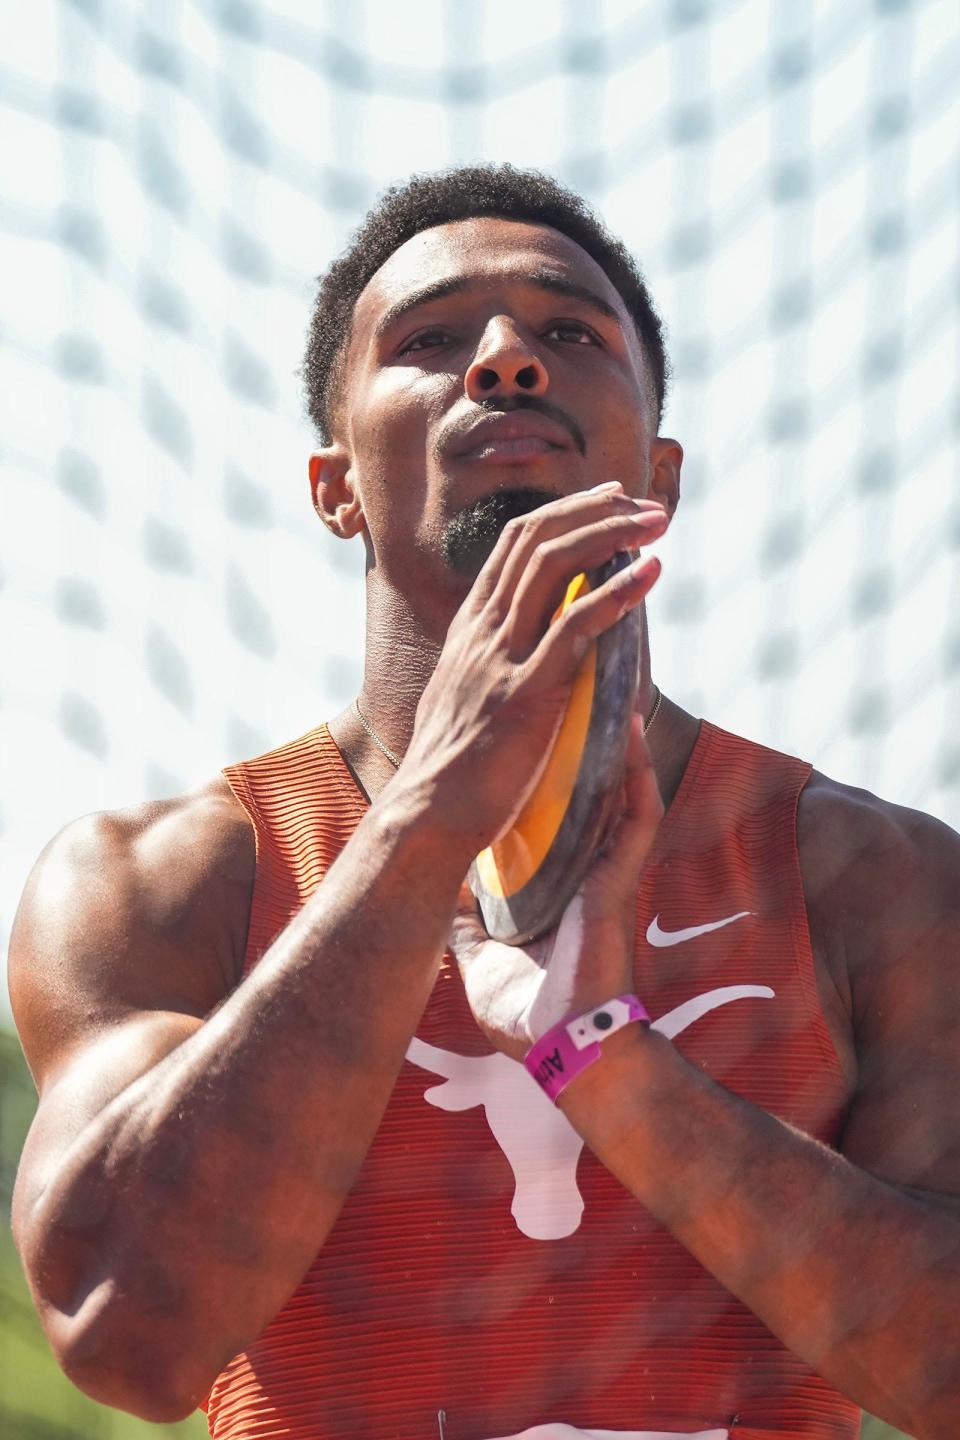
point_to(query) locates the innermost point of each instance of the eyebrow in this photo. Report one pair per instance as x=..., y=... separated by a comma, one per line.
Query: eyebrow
x=543, y=279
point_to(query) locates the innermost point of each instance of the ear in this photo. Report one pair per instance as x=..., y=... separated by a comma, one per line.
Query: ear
x=335, y=497
x=666, y=458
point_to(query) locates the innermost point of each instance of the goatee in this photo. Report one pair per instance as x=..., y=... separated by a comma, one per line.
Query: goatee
x=473, y=532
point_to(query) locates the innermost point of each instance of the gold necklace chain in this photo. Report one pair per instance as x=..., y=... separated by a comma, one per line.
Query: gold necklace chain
x=395, y=760
x=653, y=713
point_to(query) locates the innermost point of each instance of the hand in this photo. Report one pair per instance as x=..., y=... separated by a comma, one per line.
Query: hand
x=492, y=707
x=518, y=992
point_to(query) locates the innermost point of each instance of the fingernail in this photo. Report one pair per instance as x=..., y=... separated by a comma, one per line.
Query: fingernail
x=607, y=485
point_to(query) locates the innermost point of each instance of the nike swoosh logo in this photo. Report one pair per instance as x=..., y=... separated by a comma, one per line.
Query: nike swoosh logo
x=656, y=936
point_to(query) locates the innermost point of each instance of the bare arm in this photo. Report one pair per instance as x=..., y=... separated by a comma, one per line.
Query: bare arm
x=853, y=1260
x=193, y=1146
x=148, y=1270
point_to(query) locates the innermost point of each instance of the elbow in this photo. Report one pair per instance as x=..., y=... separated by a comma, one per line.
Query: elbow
x=127, y=1339
x=149, y=1396
x=933, y=1415
x=150, y=1365
x=937, y=1420
x=131, y=1337
x=142, y=1378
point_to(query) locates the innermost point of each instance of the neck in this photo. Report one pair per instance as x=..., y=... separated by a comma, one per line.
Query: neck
x=401, y=655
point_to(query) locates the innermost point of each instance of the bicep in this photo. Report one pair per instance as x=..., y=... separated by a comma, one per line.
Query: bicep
x=904, y=1123
x=113, y=964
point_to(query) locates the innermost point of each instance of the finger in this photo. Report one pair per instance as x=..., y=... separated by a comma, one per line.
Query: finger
x=467, y=932
x=512, y=534
x=565, y=643
x=643, y=803
x=575, y=514
x=640, y=817
x=520, y=536
x=555, y=562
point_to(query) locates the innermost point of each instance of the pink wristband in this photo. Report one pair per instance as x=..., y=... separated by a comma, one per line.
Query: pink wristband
x=567, y=1049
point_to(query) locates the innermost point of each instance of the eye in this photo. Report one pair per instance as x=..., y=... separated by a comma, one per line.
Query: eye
x=573, y=332
x=424, y=341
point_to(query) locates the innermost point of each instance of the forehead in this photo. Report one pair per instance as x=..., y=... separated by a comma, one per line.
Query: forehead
x=485, y=250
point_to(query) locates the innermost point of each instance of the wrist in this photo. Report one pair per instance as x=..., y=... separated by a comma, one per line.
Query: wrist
x=408, y=818
x=415, y=805
x=397, y=873
x=607, y=1102
x=575, y=1043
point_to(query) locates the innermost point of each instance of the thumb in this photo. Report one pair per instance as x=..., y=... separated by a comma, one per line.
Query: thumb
x=640, y=816
x=468, y=932
x=643, y=806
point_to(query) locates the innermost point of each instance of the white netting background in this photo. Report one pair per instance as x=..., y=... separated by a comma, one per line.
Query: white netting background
x=175, y=175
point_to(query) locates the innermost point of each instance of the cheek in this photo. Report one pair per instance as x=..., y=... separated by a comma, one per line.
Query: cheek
x=407, y=401
x=391, y=435
x=392, y=438
x=625, y=430
x=610, y=394
x=625, y=444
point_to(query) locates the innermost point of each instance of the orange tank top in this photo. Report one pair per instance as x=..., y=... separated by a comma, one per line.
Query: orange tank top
x=487, y=1276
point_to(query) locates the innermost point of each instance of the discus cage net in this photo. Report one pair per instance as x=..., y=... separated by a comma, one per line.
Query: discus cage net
x=175, y=178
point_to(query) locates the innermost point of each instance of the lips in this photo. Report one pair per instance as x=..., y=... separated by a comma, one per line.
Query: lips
x=515, y=437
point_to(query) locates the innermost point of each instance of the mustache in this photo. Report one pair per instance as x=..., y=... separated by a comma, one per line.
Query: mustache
x=459, y=428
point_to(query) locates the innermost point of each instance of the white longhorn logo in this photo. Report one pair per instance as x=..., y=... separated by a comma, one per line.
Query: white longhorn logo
x=541, y=1146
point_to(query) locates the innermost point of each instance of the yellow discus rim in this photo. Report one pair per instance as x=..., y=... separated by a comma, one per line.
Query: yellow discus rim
x=512, y=861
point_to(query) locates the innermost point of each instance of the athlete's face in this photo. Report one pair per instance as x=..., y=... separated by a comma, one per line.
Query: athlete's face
x=492, y=365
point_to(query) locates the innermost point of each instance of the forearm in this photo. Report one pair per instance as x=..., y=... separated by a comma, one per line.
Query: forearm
x=858, y=1278
x=187, y=1212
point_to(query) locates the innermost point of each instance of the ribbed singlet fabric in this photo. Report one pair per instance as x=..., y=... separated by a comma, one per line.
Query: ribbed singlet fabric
x=487, y=1266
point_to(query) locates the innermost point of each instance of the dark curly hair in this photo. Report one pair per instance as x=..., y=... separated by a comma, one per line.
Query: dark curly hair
x=461, y=194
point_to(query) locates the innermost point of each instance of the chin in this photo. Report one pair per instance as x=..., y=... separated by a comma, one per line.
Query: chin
x=474, y=530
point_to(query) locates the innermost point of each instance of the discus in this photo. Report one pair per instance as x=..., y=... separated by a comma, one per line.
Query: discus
x=524, y=881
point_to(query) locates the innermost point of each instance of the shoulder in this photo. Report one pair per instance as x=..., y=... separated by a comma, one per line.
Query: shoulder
x=171, y=851
x=889, y=901
x=878, y=875
x=852, y=832
x=856, y=844
x=142, y=908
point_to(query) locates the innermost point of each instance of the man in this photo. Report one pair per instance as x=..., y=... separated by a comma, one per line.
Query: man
x=286, y=1162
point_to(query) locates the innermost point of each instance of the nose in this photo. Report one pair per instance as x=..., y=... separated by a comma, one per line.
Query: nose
x=505, y=364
